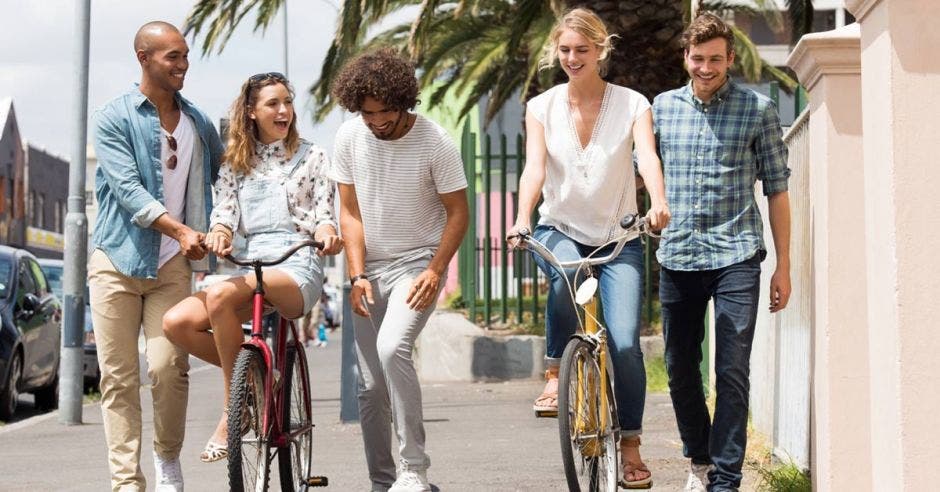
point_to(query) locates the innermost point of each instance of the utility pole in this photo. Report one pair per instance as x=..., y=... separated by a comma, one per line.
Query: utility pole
x=286, y=61
x=71, y=372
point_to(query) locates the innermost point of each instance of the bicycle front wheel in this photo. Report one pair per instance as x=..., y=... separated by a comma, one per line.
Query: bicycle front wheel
x=586, y=421
x=249, y=448
x=295, y=459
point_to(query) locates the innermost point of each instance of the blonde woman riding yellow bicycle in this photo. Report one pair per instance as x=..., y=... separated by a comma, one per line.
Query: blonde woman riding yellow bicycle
x=580, y=139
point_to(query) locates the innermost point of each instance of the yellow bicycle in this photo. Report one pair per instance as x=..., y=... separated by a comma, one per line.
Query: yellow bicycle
x=587, y=410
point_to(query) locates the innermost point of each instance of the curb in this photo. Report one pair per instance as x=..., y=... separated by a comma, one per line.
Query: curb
x=451, y=348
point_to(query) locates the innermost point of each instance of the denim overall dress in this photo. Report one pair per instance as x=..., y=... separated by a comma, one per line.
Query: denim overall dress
x=269, y=229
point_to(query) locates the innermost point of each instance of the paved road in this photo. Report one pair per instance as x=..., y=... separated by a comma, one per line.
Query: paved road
x=481, y=437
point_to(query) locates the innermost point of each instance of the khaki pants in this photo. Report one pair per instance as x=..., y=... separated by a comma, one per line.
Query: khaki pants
x=120, y=305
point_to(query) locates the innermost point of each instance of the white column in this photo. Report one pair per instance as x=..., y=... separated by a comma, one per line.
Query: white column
x=829, y=66
x=901, y=94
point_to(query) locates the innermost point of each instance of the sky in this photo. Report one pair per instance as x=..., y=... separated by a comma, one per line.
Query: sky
x=37, y=70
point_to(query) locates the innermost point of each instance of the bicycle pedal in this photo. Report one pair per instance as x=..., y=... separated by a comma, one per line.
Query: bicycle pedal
x=318, y=482
x=546, y=414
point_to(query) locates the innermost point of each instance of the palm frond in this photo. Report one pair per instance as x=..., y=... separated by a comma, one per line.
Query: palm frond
x=800, y=13
x=747, y=58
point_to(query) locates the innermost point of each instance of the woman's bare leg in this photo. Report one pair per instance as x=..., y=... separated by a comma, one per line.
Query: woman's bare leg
x=187, y=326
x=228, y=306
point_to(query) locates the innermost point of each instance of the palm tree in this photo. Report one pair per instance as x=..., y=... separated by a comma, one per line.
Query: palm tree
x=490, y=48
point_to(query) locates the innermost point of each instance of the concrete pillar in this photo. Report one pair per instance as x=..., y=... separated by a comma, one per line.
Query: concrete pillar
x=900, y=81
x=829, y=66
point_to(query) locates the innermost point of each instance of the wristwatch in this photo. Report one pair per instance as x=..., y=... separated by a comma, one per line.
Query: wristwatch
x=354, y=279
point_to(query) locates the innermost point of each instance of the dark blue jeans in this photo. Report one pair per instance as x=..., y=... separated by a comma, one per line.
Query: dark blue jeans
x=684, y=295
x=621, y=290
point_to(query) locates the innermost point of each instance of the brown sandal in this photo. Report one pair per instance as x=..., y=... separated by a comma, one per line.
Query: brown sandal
x=633, y=470
x=548, y=400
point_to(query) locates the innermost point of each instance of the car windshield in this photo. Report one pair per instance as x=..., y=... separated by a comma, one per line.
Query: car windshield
x=6, y=268
x=54, y=277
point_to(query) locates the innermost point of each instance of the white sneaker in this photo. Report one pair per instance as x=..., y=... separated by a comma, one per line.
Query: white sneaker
x=698, y=479
x=169, y=474
x=411, y=481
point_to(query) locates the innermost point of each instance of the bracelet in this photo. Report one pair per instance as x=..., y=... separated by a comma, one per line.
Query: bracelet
x=356, y=278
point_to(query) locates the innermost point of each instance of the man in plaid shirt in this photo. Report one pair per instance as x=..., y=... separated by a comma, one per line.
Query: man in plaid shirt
x=716, y=139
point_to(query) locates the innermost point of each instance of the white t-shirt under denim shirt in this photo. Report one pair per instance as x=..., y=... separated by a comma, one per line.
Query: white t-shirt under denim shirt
x=587, y=191
x=398, y=183
x=174, y=180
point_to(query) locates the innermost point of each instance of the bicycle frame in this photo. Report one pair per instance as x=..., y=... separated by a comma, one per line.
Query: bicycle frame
x=274, y=401
x=591, y=330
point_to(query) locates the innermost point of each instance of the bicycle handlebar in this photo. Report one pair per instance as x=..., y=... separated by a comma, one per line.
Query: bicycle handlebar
x=260, y=263
x=631, y=223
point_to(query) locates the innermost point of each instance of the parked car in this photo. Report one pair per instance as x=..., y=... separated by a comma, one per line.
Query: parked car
x=30, y=333
x=92, y=374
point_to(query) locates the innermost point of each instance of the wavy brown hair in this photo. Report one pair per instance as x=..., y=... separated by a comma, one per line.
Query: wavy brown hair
x=242, y=131
x=383, y=75
x=706, y=27
x=586, y=23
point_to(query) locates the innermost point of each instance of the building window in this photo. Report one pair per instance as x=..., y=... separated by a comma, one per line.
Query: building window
x=40, y=211
x=30, y=208
x=57, y=216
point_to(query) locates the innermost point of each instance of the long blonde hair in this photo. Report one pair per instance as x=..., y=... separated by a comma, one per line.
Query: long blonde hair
x=243, y=132
x=586, y=23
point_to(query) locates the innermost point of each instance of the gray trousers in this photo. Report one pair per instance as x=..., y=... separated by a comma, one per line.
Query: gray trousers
x=388, y=384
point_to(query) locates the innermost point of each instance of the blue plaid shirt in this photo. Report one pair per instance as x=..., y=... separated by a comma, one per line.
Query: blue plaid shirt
x=712, y=155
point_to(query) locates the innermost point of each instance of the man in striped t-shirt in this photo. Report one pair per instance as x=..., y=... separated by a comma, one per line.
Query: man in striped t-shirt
x=403, y=214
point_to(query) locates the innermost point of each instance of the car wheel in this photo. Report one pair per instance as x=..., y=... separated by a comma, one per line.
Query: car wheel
x=47, y=398
x=10, y=394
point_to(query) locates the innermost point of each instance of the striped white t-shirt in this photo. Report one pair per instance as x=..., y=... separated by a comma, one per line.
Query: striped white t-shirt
x=397, y=186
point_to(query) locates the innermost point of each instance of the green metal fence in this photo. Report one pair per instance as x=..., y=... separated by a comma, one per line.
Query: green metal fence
x=498, y=285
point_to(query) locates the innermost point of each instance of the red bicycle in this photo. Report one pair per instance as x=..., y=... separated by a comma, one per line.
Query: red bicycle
x=269, y=405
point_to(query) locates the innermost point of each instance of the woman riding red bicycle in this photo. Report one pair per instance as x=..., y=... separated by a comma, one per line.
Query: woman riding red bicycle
x=273, y=190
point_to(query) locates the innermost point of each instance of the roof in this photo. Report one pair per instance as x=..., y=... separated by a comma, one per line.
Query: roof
x=6, y=108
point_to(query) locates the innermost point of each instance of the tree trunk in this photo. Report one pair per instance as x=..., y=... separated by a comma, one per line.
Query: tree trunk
x=647, y=56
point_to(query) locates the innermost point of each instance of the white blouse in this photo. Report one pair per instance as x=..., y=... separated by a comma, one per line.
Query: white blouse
x=588, y=190
x=309, y=190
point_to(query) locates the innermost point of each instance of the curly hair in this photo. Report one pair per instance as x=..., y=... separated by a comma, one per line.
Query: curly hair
x=706, y=27
x=243, y=133
x=383, y=75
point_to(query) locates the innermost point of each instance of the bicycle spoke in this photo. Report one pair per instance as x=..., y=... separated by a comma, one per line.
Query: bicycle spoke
x=586, y=429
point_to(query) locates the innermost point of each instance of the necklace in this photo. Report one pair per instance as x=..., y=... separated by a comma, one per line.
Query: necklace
x=584, y=154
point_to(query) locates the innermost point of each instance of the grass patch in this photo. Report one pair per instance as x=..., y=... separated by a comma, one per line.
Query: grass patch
x=92, y=396
x=785, y=477
x=657, y=381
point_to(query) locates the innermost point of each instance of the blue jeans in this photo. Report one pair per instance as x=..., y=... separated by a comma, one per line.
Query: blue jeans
x=684, y=297
x=621, y=283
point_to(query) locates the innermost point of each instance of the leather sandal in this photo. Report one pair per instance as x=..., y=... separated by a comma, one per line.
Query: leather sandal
x=213, y=452
x=548, y=400
x=636, y=475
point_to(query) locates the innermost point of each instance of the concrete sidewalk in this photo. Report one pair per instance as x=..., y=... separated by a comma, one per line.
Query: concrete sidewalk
x=480, y=436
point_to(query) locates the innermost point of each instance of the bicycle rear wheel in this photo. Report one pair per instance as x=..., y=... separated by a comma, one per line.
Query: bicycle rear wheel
x=586, y=422
x=295, y=459
x=249, y=448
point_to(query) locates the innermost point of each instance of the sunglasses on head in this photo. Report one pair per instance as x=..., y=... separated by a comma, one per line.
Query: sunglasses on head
x=171, y=141
x=258, y=77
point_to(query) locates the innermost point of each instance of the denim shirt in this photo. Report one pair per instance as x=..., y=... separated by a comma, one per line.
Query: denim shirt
x=129, y=181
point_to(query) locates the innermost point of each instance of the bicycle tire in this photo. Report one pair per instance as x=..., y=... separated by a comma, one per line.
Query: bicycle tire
x=295, y=460
x=248, y=470
x=588, y=450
